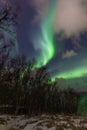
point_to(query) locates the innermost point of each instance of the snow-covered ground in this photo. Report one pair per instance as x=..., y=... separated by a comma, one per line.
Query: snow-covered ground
x=43, y=122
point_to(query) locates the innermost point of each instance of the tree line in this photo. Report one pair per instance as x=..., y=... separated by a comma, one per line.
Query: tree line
x=27, y=91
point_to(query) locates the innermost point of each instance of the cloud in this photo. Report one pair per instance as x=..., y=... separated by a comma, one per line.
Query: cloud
x=71, y=17
x=69, y=54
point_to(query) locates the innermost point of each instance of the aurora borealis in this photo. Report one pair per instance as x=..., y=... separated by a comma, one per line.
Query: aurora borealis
x=46, y=38
x=54, y=34
x=77, y=71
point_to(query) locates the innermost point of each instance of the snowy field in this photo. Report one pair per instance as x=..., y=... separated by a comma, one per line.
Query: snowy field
x=43, y=122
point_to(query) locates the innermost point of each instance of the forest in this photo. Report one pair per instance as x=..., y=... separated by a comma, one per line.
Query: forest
x=24, y=90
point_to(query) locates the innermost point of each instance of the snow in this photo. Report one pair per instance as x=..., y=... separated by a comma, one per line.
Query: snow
x=43, y=122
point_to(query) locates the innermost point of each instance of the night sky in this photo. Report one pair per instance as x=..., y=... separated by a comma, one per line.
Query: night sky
x=54, y=32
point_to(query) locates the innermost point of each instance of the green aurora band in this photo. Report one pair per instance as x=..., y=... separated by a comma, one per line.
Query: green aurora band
x=75, y=73
x=46, y=43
